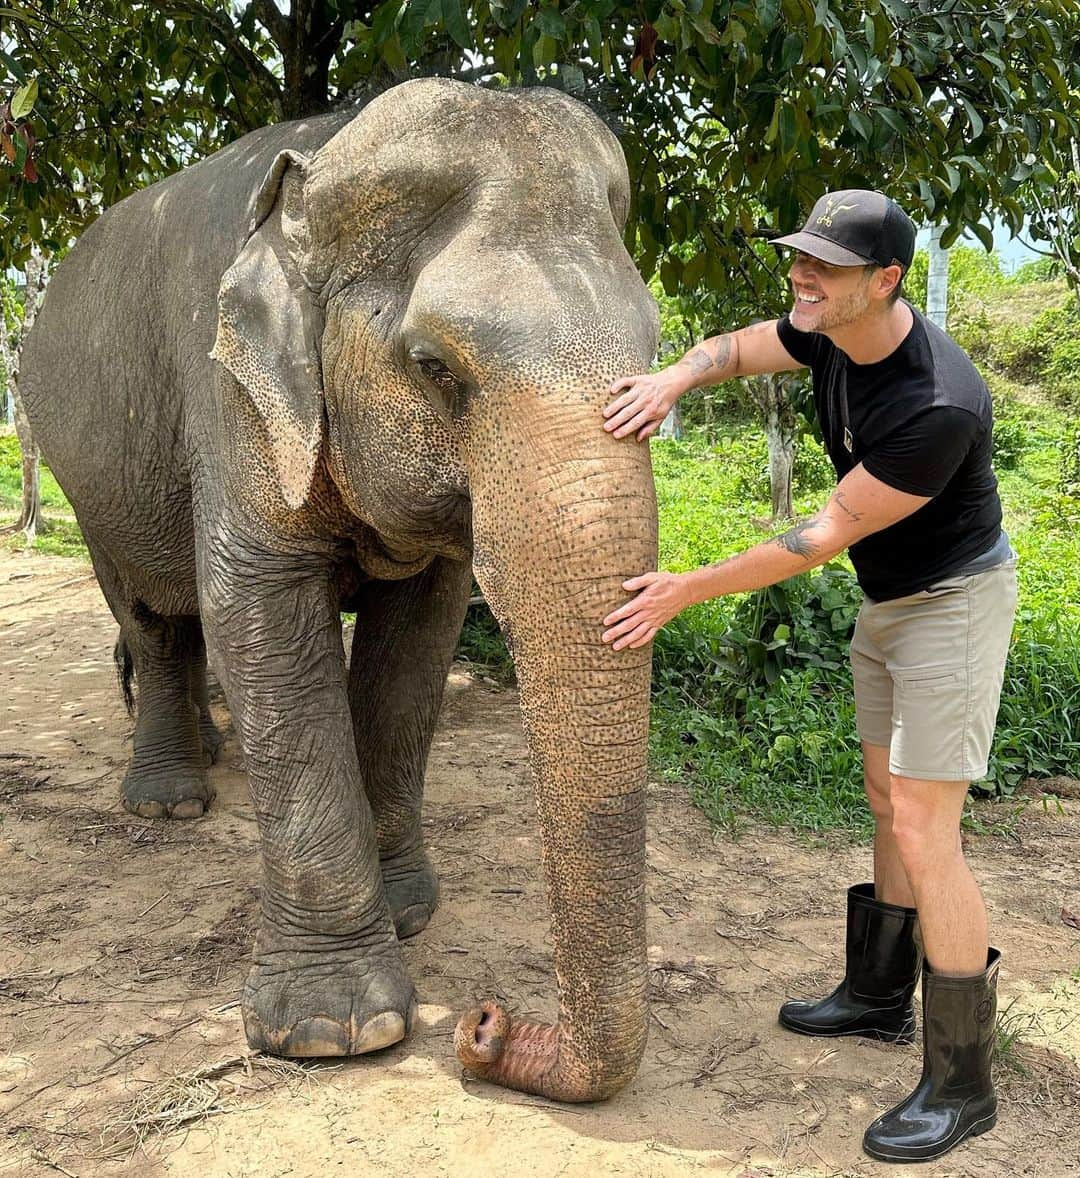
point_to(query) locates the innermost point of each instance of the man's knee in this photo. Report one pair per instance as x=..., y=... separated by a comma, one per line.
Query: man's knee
x=925, y=824
x=877, y=784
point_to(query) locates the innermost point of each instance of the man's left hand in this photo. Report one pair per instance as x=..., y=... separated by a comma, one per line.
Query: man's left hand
x=636, y=623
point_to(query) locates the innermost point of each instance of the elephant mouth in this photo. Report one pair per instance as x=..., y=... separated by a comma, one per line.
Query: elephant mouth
x=442, y=528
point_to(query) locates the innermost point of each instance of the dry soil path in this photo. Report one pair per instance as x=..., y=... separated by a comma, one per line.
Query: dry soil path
x=123, y=946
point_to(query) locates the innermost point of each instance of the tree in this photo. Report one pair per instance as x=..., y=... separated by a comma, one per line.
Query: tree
x=1056, y=220
x=736, y=114
x=777, y=401
x=14, y=328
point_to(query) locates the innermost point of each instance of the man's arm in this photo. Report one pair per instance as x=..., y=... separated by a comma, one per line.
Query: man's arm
x=746, y=352
x=642, y=402
x=860, y=506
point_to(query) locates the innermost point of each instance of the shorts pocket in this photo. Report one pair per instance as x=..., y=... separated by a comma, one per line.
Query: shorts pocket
x=929, y=682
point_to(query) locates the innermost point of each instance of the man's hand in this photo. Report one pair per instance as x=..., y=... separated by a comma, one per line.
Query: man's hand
x=641, y=403
x=662, y=596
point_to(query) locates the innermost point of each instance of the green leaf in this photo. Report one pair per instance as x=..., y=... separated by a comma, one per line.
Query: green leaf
x=985, y=235
x=551, y=24
x=892, y=119
x=22, y=103
x=393, y=54
x=705, y=29
x=385, y=20
x=16, y=69
x=768, y=11
x=694, y=270
x=456, y=26
x=791, y=52
x=953, y=178
x=861, y=123
x=787, y=127
x=974, y=118
x=951, y=235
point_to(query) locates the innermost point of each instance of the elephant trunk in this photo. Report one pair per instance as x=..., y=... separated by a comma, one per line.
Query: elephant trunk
x=557, y=529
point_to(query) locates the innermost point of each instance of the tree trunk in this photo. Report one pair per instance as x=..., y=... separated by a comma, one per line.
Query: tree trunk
x=781, y=443
x=671, y=426
x=937, y=280
x=30, y=517
x=771, y=393
x=308, y=36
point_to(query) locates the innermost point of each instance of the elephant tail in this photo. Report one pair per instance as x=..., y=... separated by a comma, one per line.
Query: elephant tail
x=125, y=672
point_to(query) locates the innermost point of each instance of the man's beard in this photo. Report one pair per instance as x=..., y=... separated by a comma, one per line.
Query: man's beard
x=838, y=312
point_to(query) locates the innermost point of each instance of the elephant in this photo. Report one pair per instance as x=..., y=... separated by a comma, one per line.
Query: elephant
x=344, y=364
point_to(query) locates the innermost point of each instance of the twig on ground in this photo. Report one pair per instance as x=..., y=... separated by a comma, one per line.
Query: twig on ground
x=154, y=905
x=39, y=1156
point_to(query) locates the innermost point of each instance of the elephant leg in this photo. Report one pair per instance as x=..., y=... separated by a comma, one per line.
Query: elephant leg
x=212, y=739
x=405, y=636
x=327, y=977
x=167, y=774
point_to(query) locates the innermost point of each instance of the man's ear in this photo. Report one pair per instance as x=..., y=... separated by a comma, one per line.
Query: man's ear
x=269, y=327
x=889, y=278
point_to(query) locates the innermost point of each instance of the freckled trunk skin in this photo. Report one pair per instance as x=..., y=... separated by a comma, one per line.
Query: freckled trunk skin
x=567, y=518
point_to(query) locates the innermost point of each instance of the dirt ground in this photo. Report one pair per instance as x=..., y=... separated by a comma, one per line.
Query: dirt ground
x=123, y=947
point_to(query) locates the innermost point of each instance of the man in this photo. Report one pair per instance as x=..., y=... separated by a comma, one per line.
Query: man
x=907, y=423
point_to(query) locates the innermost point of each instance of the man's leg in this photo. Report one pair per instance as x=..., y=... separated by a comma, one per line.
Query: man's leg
x=926, y=835
x=890, y=879
x=955, y=1097
x=882, y=955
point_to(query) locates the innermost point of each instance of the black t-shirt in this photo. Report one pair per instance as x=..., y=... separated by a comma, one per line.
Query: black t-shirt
x=921, y=421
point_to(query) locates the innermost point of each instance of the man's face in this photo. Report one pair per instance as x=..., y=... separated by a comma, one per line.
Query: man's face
x=826, y=297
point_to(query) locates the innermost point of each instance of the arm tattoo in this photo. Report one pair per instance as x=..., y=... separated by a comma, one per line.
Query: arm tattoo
x=700, y=360
x=850, y=512
x=796, y=540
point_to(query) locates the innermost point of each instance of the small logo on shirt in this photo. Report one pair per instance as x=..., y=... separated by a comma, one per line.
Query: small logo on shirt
x=832, y=208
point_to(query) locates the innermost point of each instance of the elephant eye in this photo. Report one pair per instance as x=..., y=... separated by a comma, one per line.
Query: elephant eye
x=450, y=387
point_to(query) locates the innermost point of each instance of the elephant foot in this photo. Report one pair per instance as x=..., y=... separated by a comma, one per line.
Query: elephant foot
x=412, y=891
x=333, y=1009
x=181, y=793
x=212, y=740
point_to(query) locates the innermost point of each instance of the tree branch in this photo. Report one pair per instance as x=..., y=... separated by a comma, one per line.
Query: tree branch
x=275, y=23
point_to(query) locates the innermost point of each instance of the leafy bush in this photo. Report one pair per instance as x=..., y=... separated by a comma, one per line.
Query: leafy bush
x=1045, y=351
x=482, y=643
x=1069, y=480
x=973, y=274
x=11, y=479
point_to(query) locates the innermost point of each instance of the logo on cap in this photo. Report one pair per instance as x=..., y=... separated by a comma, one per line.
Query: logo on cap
x=831, y=209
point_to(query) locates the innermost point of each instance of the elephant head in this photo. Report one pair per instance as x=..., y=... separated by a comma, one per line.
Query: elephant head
x=444, y=301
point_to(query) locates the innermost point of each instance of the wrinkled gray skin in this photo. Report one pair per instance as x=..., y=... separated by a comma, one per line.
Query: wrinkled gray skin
x=234, y=380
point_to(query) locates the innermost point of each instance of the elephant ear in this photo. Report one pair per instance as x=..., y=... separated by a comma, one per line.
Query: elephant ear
x=269, y=327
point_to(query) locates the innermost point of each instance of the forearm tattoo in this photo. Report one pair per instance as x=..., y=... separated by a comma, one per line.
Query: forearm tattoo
x=702, y=359
x=842, y=503
x=797, y=540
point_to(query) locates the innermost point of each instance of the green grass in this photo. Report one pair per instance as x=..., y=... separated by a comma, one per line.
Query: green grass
x=59, y=535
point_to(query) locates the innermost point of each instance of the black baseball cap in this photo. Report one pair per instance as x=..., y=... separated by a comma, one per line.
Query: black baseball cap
x=856, y=227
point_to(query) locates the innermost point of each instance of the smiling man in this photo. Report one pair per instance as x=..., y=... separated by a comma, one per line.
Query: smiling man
x=907, y=423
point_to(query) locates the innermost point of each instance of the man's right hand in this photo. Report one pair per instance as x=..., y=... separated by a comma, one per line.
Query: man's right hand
x=641, y=403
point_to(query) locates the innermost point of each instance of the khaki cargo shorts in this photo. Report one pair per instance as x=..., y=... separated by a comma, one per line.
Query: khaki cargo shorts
x=928, y=670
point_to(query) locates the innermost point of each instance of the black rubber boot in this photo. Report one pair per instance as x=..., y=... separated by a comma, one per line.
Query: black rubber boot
x=955, y=1098
x=883, y=960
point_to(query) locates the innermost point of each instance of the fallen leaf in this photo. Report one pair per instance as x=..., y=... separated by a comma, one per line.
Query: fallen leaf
x=1070, y=918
